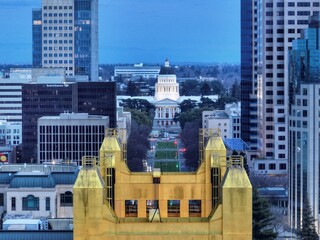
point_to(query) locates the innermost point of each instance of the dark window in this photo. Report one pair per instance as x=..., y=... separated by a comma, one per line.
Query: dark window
x=194, y=208
x=47, y=204
x=1, y=200
x=283, y=166
x=30, y=203
x=66, y=199
x=131, y=208
x=272, y=166
x=173, y=208
x=261, y=166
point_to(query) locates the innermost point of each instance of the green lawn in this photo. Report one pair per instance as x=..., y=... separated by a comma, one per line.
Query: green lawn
x=166, y=154
x=166, y=145
x=167, y=166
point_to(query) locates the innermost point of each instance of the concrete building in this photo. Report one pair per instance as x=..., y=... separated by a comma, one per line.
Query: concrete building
x=304, y=123
x=65, y=35
x=70, y=136
x=215, y=202
x=268, y=28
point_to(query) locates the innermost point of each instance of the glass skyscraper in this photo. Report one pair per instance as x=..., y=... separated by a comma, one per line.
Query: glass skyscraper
x=304, y=123
x=65, y=35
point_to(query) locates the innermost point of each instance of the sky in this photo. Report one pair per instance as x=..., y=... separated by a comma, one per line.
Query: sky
x=139, y=31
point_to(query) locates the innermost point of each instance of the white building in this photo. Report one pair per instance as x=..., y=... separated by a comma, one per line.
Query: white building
x=279, y=22
x=11, y=95
x=70, y=136
x=227, y=121
x=37, y=190
x=137, y=71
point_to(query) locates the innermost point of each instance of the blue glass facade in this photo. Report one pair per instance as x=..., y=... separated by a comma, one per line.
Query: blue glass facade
x=304, y=123
x=37, y=38
x=86, y=54
x=248, y=55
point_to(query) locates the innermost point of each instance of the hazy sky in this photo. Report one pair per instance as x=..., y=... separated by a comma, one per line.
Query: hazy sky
x=132, y=31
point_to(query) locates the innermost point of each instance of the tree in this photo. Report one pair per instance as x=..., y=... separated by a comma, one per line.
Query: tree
x=308, y=230
x=235, y=90
x=217, y=88
x=141, y=105
x=205, y=89
x=189, y=116
x=190, y=139
x=187, y=105
x=138, y=146
x=132, y=89
x=262, y=218
x=206, y=103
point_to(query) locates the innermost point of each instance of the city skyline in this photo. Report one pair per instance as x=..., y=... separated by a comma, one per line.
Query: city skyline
x=192, y=33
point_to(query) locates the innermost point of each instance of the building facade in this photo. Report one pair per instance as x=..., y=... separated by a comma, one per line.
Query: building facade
x=136, y=71
x=166, y=98
x=37, y=191
x=65, y=35
x=266, y=39
x=38, y=100
x=70, y=136
x=304, y=123
x=110, y=202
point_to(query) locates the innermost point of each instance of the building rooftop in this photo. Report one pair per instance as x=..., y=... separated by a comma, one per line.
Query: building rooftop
x=236, y=144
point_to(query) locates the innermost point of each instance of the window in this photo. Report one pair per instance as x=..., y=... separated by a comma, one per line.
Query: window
x=151, y=204
x=173, y=208
x=261, y=166
x=283, y=166
x=194, y=208
x=30, y=203
x=47, y=204
x=66, y=199
x=272, y=166
x=1, y=200
x=131, y=208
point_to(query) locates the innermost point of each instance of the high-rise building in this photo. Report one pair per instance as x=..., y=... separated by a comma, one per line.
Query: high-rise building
x=249, y=116
x=65, y=35
x=265, y=41
x=38, y=100
x=304, y=123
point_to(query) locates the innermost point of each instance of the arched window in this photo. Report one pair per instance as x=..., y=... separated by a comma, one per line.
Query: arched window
x=30, y=203
x=66, y=199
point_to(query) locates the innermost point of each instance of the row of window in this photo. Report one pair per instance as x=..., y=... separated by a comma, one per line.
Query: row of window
x=58, y=15
x=292, y=4
x=58, y=62
x=31, y=203
x=272, y=166
x=57, y=35
x=56, y=28
x=56, y=48
x=58, y=41
x=56, y=55
x=70, y=21
x=57, y=7
x=173, y=208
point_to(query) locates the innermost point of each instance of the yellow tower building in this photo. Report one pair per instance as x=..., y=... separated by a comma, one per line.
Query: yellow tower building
x=112, y=203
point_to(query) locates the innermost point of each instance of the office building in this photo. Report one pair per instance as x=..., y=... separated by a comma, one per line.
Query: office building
x=304, y=123
x=266, y=39
x=70, y=136
x=10, y=94
x=110, y=202
x=65, y=35
x=38, y=100
x=136, y=71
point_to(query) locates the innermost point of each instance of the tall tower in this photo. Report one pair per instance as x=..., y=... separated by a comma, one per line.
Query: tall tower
x=249, y=119
x=264, y=68
x=304, y=123
x=65, y=35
